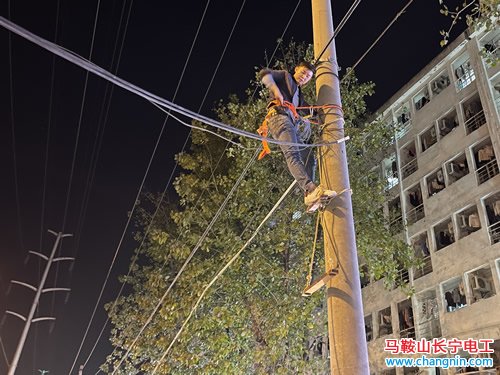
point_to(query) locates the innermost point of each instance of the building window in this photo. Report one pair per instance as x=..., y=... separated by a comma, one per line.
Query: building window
x=369, y=328
x=491, y=48
x=456, y=168
x=385, y=322
x=428, y=138
x=440, y=83
x=481, y=284
x=454, y=294
x=492, y=207
x=467, y=222
x=435, y=182
x=408, y=157
x=473, y=114
x=464, y=74
x=447, y=123
x=415, y=204
x=390, y=170
x=421, y=99
x=444, y=234
x=403, y=120
x=427, y=315
x=420, y=244
x=486, y=164
x=406, y=325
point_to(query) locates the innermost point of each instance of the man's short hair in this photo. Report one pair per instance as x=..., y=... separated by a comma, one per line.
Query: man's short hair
x=308, y=65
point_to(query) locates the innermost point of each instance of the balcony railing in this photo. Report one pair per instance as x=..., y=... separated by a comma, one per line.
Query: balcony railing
x=408, y=333
x=466, y=79
x=403, y=129
x=494, y=233
x=487, y=171
x=475, y=122
x=392, y=180
x=409, y=168
x=415, y=214
x=424, y=270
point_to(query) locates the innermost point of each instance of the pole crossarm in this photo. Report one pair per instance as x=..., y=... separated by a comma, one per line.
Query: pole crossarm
x=39, y=291
x=44, y=257
x=56, y=290
x=63, y=258
x=17, y=315
x=26, y=285
x=42, y=318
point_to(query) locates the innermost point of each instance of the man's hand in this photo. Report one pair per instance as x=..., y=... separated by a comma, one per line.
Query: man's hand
x=277, y=94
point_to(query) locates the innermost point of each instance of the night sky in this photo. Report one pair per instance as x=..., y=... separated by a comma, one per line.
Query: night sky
x=156, y=45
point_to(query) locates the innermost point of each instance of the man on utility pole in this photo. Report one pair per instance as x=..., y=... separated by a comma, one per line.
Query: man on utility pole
x=282, y=121
x=348, y=349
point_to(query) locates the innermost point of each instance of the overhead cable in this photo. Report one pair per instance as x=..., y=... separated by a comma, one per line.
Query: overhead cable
x=188, y=259
x=222, y=270
x=82, y=62
x=140, y=189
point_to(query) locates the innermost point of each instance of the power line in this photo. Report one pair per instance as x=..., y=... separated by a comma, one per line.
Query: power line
x=212, y=174
x=226, y=266
x=188, y=259
x=223, y=269
x=382, y=34
x=13, y=131
x=84, y=63
x=45, y=171
x=98, y=144
x=75, y=147
x=341, y=24
x=4, y=352
x=135, y=202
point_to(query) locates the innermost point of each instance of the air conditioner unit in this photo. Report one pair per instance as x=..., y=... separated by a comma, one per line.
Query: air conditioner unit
x=480, y=283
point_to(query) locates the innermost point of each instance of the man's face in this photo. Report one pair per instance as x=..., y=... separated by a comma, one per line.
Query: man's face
x=302, y=75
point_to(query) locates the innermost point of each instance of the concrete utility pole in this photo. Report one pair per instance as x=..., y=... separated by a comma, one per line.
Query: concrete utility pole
x=346, y=333
x=29, y=319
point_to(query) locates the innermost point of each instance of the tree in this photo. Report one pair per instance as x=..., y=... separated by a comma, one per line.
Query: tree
x=254, y=319
x=477, y=13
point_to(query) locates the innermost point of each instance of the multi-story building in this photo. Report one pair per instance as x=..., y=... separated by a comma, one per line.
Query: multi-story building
x=444, y=183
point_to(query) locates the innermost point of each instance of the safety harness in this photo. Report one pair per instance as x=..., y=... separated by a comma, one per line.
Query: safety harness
x=263, y=129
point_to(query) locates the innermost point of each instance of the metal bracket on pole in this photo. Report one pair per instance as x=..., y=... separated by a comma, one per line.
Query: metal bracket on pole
x=318, y=283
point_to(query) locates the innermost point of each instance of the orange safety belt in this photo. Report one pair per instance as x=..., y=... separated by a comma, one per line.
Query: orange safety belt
x=263, y=129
